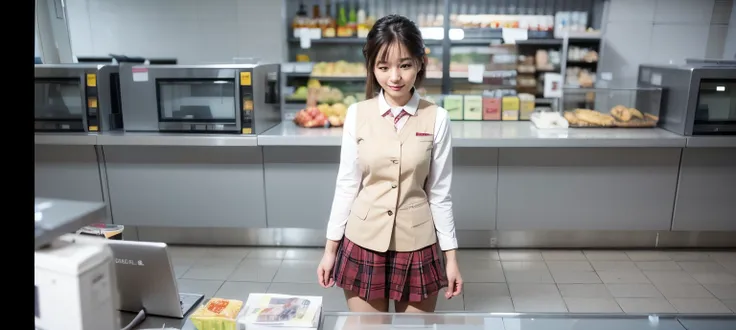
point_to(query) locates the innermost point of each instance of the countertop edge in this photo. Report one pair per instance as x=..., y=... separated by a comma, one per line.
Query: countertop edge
x=65, y=139
x=711, y=142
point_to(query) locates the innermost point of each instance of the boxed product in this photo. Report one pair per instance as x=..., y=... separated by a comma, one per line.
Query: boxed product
x=269, y=311
x=217, y=314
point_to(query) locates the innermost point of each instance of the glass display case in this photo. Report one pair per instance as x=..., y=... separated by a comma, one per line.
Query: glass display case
x=611, y=107
x=514, y=321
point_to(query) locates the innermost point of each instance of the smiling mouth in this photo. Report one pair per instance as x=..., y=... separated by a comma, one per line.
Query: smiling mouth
x=396, y=87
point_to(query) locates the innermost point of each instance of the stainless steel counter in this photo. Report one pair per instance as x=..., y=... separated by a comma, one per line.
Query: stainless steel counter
x=465, y=134
x=496, y=135
x=148, y=139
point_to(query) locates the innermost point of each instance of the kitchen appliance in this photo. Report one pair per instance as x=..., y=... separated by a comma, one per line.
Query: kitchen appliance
x=699, y=97
x=75, y=287
x=222, y=98
x=66, y=98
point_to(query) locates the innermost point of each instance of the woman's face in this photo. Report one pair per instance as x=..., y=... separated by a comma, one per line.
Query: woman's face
x=396, y=71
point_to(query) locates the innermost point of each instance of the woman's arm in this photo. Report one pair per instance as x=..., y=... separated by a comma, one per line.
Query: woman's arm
x=439, y=183
x=347, y=183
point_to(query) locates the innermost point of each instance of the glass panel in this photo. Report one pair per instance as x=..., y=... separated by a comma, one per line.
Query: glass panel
x=716, y=102
x=196, y=100
x=58, y=99
x=487, y=321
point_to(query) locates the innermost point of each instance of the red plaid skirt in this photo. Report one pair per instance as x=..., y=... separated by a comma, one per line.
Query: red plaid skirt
x=401, y=276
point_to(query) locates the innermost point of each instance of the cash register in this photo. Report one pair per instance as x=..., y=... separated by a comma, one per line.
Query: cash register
x=75, y=286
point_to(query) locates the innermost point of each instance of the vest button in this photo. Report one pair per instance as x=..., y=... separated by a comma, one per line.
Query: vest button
x=395, y=161
x=390, y=213
x=393, y=186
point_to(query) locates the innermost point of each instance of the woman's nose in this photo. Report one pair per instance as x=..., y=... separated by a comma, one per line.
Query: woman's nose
x=395, y=76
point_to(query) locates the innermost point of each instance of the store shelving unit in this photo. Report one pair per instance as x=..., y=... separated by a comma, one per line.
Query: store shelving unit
x=449, y=54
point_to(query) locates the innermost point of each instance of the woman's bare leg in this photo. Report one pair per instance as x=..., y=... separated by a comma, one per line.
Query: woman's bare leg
x=358, y=305
x=425, y=306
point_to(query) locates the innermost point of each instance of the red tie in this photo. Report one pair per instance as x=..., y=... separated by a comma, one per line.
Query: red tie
x=397, y=118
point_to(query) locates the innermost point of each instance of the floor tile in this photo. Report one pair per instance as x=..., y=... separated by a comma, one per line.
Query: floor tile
x=228, y=252
x=268, y=253
x=613, y=265
x=481, y=271
x=489, y=304
x=730, y=266
x=474, y=254
x=256, y=270
x=715, y=278
x=529, y=276
x=240, y=290
x=622, y=276
x=333, y=298
x=539, y=305
x=592, y=305
x=584, y=291
x=523, y=265
x=534, y=290
x=575, y=266
x=645, y=305
x=456, y=304
x=657, y=265
x=648, y=256
x=563, y=255
x=670, y=276
x=700, y=306
x=572, y=277
x=297, y=271
x=702, y=267
x=206, y=287
x=180, y=251
x=487, y=289
x=723, y=256
x=688, y=256
x=722, y=291
x=679, y=290
x=607, y=256
x=211, y=269
x=520, y=255
x=314, y=254
x=633, y=290
x=731, y=304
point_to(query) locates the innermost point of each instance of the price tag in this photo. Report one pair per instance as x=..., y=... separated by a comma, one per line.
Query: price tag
x=245, y=79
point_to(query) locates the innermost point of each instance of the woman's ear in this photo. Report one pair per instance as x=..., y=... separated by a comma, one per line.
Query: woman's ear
x=425, y=61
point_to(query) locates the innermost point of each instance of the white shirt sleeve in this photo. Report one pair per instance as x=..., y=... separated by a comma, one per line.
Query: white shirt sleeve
x=439, y=182
x=348, y=178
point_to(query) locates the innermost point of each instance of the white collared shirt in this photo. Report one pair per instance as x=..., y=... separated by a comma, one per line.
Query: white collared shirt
x=349, y=175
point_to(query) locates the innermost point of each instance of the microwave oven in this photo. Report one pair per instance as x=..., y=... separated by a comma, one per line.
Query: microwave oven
x=698, y=98
x=67, y=97
x=223, y=98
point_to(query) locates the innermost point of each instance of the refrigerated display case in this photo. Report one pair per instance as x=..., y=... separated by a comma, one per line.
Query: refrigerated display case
x=611, y=107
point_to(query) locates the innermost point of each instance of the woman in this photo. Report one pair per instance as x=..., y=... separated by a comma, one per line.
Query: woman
x=392, y=207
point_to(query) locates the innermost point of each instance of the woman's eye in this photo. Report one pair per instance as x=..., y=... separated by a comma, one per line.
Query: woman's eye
x=382, y=68
x=405, y=66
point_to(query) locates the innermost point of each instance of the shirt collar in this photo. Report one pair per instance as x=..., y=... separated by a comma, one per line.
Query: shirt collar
x=410, y=108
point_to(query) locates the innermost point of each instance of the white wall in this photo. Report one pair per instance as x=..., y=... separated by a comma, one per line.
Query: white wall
x=194, y=31
x=659, y=32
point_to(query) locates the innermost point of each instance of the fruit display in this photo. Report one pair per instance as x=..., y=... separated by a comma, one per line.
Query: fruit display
x=323, y=115
x=338, y=69
x=619, y=116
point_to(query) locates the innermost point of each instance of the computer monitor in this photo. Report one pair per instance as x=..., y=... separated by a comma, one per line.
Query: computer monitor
x=146, y=281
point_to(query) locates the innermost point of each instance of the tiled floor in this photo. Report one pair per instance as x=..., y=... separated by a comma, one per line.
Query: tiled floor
x=633, y=282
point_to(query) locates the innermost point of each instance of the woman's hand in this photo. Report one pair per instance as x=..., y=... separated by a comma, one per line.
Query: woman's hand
x=454, y=279
x=324, y=270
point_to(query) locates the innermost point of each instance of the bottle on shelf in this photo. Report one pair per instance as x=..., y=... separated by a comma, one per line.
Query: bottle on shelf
x=328, y=23
x=363, y=27
x=314, y=22
x=300, y=19
x=342, y=22
x=353, y=21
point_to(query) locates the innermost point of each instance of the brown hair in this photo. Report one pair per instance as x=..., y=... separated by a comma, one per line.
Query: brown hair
x=387, y=31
